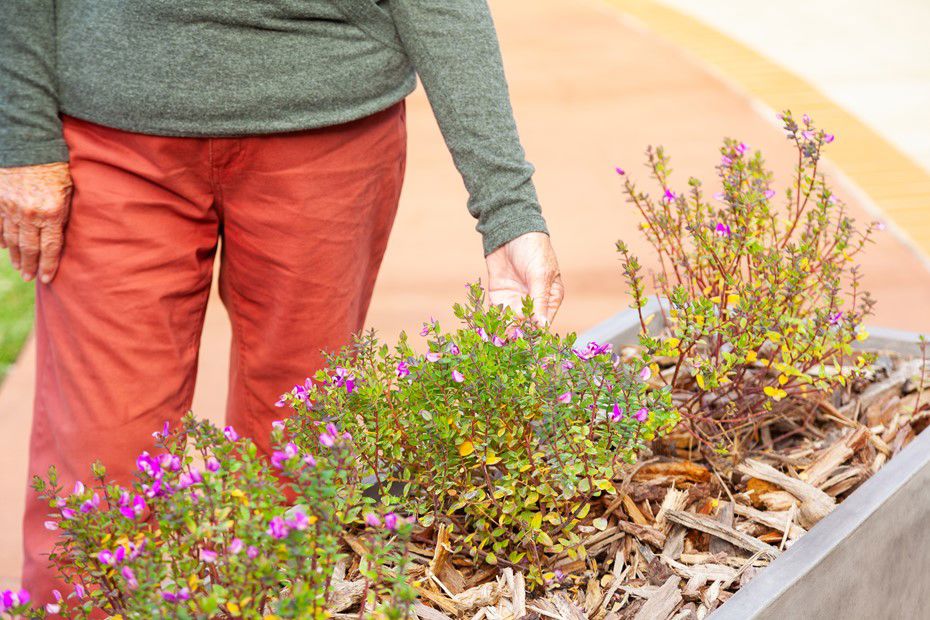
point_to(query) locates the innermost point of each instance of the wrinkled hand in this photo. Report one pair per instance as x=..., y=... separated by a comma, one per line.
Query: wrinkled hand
x=34, y=205
x=526, y=266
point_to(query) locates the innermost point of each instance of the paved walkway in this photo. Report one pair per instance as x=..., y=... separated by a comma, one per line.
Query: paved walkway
x=592, y=88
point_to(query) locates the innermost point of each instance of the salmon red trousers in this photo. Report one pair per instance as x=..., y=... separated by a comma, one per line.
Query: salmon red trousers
x=304, y=220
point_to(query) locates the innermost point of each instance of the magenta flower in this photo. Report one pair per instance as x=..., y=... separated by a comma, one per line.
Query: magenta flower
x=79, y=591
x=828, y=138
x=119, y=554
x=565, y=398
x=277, y=528
x=189, y=479
x=769, y=193
x=130, y=577
x=620, y=171
x=670, y=195
x=723, y=230
x=403, y=370
x=457, y=376
x=106, y=557
x=726, y=161
x=372, y=520
x=208, y=556
x=391, y=521
x=235, y=546
x=68, y=513
x=309, y=460
x=132, y=508
x=230, y=433
x=298, y=521
x=836, y=318
x=741, y=148
x=592, y=349
x=213, y=464
x=642, y=415
x=290, y=451
x=51, y=526
x=568, y=365
x=645, y=373
x=454, y=349
x=252, y=552
x=616, y=414
x=433, y=356
x=807, y=119
x=90, y=504
x=497, y=341
x=344, y=379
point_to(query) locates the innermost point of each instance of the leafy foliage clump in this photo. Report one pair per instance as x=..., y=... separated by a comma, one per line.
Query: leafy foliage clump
x=764, y=302
x=207, y=531
x=502, y=430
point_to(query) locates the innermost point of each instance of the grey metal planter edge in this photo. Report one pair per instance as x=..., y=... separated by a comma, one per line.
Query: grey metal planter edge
x=870, y=558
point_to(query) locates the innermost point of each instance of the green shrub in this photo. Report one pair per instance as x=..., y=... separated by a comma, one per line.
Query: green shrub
x=501, y=428
x=206, y=531
x=764, y=301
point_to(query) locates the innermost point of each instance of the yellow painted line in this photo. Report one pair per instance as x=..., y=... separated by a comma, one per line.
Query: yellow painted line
x=896, y=184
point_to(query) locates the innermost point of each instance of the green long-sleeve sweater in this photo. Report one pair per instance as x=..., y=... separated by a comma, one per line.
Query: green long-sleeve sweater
x=245, y=67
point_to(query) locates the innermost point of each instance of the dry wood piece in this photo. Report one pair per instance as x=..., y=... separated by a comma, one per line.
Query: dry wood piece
x=724, y=517
x=835, y=455
x=427, y=613
x=815, y=504
x=644, y=533
x=729, y=534
x=674, y=469
x=777, y=520
x=663, y=603
x=345, y=594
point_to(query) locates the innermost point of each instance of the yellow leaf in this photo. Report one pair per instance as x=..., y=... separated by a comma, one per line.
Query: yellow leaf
x=732, y=299
x=536, y=521
x=491, y=459
x=544, y=539
x=233, y=609
x=773, y=336
x=466, y=448
x=774, y=393
x=673, y=342
x=649, y=319
x=715, y=299
x=751, y=357
x=782, y=379
x=584, y=512
x=193, y=582
x=700, y=381
x=804, y=263
x=490, y=558
x=600, y=524
x=862, y=335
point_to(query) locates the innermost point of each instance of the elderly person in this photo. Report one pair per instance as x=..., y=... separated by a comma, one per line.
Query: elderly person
x=136, y=134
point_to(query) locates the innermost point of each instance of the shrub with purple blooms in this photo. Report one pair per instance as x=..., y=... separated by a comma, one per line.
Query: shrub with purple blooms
x=501, y=429
x=763, y=291
x=207, y=531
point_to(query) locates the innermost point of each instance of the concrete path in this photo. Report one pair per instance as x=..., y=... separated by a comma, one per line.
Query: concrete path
x=591, y=90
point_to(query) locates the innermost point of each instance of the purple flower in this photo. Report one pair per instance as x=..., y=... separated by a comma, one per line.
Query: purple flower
x=298, y=521
x=230, y=433
x=433, y=356
x=372, y=520
x=169, y=597
x=51, y=526
x=403, y=370
x=106, y=557
x=497, y=341
x=836, y=318
x=277, y=528
x=344, y=379
x=616, y=414
x=723, y=230
x=808, y=135
x=78, y=488
x=741, y=148
x=592, y=349
x=90, y=504
x=807, y=119
x=457, y=376
x=235, y=546
x=146, y=464
x=670, y=195
x=726, y=161
x=642, y=415
x=79, y=591
x=213, y=464
x=130, y=577
x=565, y=398
x=327, y=440
x=309, y=460
x=252, y=552
x=720, y=196
x=620, y=171
x=645, y=373
x=68, y=513
x=189, y=479
x=769, y=194
x=482, y=334
x=208, y=556
x=568, y=365
x=391, y=521
x=828, y=138
x=454, y=349
x=517, y=334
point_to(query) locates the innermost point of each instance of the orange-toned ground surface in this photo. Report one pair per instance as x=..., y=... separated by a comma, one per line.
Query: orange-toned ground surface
x=591, y=90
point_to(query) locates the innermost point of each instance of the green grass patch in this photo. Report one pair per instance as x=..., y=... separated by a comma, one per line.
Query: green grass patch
x=17, y=299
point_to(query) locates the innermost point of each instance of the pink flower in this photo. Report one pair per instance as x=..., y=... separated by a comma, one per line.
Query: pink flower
x=457, y=376
x=836, y=318
x=208, y=556
x=741, y=148
x=309, y=460
x=106, y=557
x=645, y=373
x=130, y=577
x=769, y=194
x=252, y=552
x=433, y=356
x=235, y=546
x=68, y=513
x=213, y=464
x=807, y=119
x=828, y=138
x=565, y=398
x=726, y=161
x=670, y=195
x=620, y=171
x=277, y=528
x=298, y=520
x=616, y=414
x=391, y=521
x=230, y=433
x=497, y=341
x=403, y=370
x=723, y=230
x=642, y=415
x=51, y=526
x=79, y=591
x=372, y=520
x=78, y=488
x=719, y=196
x=327, y=440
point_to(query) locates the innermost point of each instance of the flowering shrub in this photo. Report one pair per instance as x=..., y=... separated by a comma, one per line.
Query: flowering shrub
x=502, y=428
x=764, y=301
x=205, y=531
